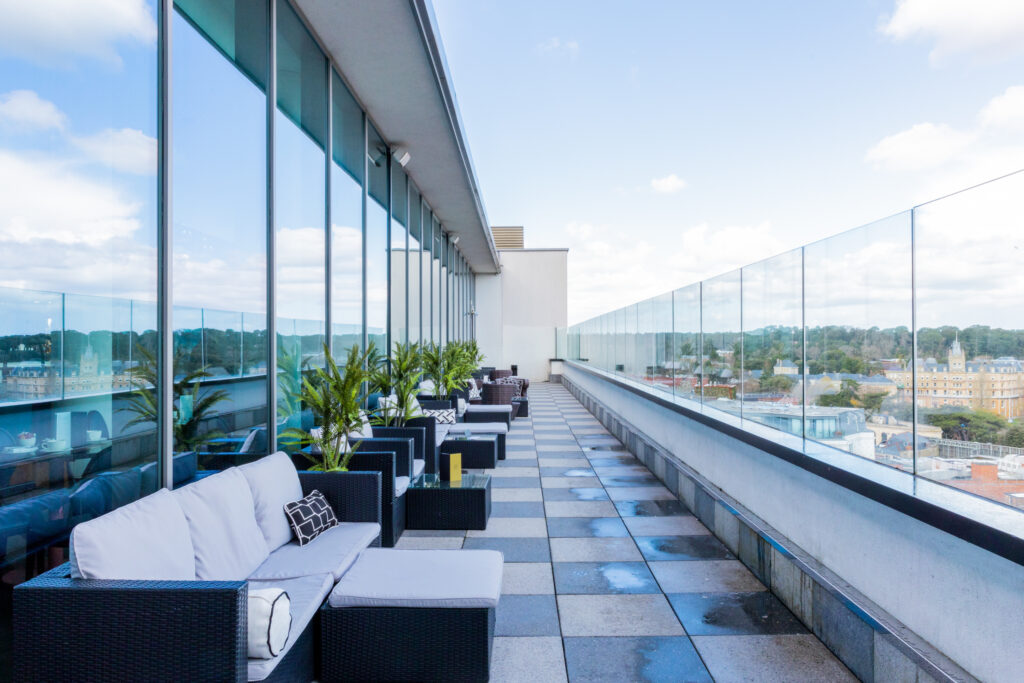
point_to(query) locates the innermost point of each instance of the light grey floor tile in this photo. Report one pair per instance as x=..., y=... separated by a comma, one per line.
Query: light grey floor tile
x=790, y=658
x=569, y=482
x=514, y=472
x=587, y=508
x=407, y=542
x=617, y=615
x=528, y=660
x=527, y=578
x=516, y=495
x=639, y=493
x=606, y=549
x=705, y=576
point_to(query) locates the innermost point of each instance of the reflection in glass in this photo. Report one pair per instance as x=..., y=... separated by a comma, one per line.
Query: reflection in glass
x=415, y=260
x=78, y=206
x=686, y=349
x=220, y=219
x=398, y=254
x=376, y=274
x=858, y=315
x=772, y=379
x=299, y=213
x=346, y=220
x=721, y=344
x=970, y=341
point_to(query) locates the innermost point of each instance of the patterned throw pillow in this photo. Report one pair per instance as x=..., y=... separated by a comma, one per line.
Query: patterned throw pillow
x=444, y=416
x=514, y=381
x=310, y=516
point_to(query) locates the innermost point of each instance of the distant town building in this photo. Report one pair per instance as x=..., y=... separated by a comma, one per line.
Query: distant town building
x=981, y=384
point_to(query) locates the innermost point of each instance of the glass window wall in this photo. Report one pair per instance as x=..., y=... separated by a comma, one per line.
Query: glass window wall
x=299, y=212
x=399, y=250
x=346, y=219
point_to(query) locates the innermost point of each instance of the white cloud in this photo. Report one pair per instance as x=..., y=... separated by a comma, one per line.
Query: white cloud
x=992, y=29
x=127, y=149
x=1006, y=110
x=42, y=199
x=923, y=145
x=670, y=184
x=60, y=31
x=948, y=159
x=557, y=45
x=24, y=109
x=606, y=272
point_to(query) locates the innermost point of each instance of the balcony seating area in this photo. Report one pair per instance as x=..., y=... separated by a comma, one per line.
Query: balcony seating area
x=227, y=534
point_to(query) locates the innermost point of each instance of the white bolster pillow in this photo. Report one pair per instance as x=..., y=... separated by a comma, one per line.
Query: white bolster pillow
x=270, y=621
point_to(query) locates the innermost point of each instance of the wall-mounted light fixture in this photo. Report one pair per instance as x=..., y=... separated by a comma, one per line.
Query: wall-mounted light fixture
x=401, y=155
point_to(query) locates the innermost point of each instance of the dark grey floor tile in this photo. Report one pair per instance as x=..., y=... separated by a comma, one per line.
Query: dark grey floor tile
x=514, y=549
x=704, y=547
x=585, y=493
x=507, y=509
x=586, y=527
x=603, y=461
x=515, y=482
x=566, y=472
x=650, y=508
x=722, y=614
x=604, y=577
x=526, y=615
x=519, y=447
x=630, y=480
x=650, y=658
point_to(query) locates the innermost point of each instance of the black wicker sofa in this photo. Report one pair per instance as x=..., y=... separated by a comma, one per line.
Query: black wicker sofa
x=158, y=590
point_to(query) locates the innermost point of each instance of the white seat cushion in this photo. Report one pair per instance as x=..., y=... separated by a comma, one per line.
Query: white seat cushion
x=332, y=552
x=274, y=483
x=401, y=485
x=421, y=578
x=146, y=540
x=306, y=594
x=222, y=519
x=479, y=428
x=417, y=467
x=480, y=408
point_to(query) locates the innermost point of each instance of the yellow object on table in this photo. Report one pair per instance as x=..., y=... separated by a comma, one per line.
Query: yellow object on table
x=455, y=468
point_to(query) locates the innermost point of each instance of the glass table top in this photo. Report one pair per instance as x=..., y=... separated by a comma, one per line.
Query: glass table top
x=462, y=436
x=433, y=481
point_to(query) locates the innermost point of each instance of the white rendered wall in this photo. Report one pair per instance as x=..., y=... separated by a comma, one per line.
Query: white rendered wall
x=519, y=310
x=488, y=318
x=963, y=600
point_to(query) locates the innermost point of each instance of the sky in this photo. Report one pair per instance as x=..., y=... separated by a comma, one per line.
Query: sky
x=665, y=142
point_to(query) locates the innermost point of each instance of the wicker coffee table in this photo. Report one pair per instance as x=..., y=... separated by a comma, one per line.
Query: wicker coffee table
x=435, y=504
x=479, y=451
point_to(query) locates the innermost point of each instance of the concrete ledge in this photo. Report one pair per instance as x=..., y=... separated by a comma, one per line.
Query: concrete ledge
x=872, y=643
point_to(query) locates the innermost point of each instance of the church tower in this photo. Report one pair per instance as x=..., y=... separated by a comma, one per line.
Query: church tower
x=957, y=357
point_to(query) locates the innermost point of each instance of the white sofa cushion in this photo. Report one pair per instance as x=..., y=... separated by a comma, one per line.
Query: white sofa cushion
x=273, y=482
x=222, y=518
x=427, y=387
x=417, y=466
x=146, y=540
x=486, y=408
x=365, y=430
x=460, y=406
x=401, y=486
x=270, y=621
x=332, y=552
x=421, y=578
x=306, y=594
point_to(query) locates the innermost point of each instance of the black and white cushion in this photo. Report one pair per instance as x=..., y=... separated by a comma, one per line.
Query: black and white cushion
x=514, y=381
x=444, y=416
x=310, y=516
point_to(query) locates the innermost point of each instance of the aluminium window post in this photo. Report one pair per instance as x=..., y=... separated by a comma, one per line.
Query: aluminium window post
x=271, y=340
x=165, y=336
x=328, y=237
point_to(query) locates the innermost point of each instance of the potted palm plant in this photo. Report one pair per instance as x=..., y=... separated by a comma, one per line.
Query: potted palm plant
x=398, y=380
x=335, y=396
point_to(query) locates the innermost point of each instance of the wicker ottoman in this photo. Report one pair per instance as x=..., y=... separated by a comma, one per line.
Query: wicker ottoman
x=412, y=615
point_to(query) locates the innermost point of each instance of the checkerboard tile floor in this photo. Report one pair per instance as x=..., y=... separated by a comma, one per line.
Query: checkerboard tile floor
x=609, y=578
